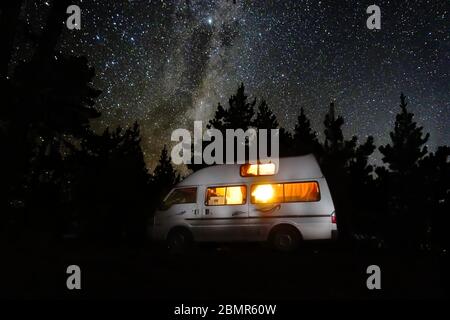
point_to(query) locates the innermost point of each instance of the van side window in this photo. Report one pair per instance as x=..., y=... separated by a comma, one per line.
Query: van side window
x=229, y=195
x=285, y=192
x=182, y=195
x=301, y=191
x=267, y=193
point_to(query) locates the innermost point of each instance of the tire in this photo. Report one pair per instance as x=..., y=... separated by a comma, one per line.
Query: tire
x=285, y=238
x=179, y=241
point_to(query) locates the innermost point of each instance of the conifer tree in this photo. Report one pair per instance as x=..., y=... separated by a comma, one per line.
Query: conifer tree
x=334, y=161
x=407, y=142
x=305, y=139
x=265, y=118
x=402, y=181
x=239, y=114
x=164, y=176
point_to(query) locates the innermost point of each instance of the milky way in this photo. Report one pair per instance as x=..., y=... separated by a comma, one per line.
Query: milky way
x=168, y=63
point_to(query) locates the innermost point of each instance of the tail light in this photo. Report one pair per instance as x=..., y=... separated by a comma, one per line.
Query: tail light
x=333, y=217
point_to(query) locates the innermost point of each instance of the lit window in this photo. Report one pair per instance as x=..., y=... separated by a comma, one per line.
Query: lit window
x=266, y=169
x=262, y=169
x=216, y=196
x=286, y=192
x=267, y=193
x=301, y=191
x=249, y=170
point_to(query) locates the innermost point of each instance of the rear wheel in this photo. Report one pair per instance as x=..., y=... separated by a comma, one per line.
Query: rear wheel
x=179, y=240
x=285, y=238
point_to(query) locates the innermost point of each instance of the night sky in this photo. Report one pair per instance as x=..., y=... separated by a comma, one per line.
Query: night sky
x=168, y=63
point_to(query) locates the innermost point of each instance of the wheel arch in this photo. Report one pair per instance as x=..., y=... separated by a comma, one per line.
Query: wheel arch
x=181, y=228
x=281, y=225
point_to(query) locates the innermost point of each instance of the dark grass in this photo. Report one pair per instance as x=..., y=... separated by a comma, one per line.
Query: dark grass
x=214, y=272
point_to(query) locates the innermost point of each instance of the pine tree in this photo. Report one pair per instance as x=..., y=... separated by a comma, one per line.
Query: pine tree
x=407, y=212
x=362, y=189
x=336, y=156
x=48, y=100
x=359, y=168
x=107, y=184
x=238, y=115
x=265, y=118
x=305, y=139
x=164, y=176
x=435, y=171
x=407, y=139
x=338, y=151
x=333, y=132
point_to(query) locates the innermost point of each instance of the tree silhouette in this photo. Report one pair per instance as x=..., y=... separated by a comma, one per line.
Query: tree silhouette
x=239, y=113
x=403, y=195
x=109, y=185
x=164, y=176
x=48, y=101
x=435, y=172
x=362, y=189
x=407, y=142
x=265, y=118
x=337, y=153
x=305, y=139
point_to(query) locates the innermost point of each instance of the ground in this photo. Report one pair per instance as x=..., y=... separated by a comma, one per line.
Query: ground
x=250, y=272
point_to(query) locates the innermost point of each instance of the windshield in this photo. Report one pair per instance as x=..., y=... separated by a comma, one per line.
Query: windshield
x=181, y=195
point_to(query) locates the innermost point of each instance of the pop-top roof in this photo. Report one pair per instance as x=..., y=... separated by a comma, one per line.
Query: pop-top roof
x=290, y=168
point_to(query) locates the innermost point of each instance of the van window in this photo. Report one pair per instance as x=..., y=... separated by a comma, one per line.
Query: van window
x=260, y=169
x=182, y=195
x=301, y=191
x=285, y=192
x=267, y=193
x=229, y=195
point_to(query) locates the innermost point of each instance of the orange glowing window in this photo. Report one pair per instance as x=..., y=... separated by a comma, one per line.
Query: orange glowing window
x=301, y=191
x=267, y=193
x=219, y=196
x=285, y=192
x=261, y=169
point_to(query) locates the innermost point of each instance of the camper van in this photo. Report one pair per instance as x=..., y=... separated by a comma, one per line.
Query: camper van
x=283, y=203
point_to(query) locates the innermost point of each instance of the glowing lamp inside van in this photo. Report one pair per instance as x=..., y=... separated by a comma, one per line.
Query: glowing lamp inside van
x=260, y=169
x=263, y=193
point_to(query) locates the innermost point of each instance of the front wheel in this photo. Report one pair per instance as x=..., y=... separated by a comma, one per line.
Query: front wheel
x=285, y=238
x=179, y=241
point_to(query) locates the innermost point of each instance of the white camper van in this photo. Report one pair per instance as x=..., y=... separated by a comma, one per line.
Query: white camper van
x=282, y=204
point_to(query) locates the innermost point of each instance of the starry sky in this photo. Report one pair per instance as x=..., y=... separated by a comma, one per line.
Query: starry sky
x=168, y=63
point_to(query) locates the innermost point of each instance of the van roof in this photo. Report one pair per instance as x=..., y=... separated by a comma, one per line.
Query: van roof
x=290, y=168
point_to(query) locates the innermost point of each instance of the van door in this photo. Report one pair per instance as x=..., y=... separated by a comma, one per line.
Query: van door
x=224, y=213
x=178, y=207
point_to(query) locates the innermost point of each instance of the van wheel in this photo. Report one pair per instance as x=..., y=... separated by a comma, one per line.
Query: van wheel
x=285, y=238
x=179, y=240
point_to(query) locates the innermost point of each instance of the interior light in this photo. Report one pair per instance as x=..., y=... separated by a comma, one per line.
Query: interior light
x=262, y=169
x=266, y=169
x=263, y=193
